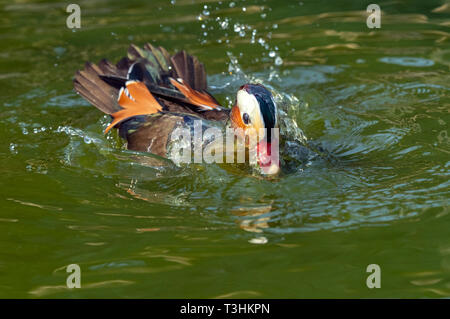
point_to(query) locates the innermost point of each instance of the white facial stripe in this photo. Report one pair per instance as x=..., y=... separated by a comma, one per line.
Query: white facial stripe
x=248, y=104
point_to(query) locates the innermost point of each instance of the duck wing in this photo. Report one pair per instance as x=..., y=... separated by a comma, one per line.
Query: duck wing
x=141, y=87
x=177, y=82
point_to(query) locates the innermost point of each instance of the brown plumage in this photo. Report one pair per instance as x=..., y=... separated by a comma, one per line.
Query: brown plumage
x=147, y=93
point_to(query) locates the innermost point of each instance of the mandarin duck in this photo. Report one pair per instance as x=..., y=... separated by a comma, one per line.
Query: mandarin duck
x=150, y=93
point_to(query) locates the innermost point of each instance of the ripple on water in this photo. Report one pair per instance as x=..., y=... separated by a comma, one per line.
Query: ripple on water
x=407, y=61
x=318, y=196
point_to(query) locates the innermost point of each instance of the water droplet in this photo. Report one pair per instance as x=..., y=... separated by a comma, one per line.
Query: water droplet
x=253, y=36
x=278, y=61
x=272, y=54
x=237, y=28
x=13, y=148
x=232, y=4
x=224, y=24
x=244, y=9
x=263, y=15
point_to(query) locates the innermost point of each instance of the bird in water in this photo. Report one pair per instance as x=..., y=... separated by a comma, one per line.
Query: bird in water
x=150, y=94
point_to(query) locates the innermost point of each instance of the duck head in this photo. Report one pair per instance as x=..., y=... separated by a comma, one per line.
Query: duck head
x=255, y=113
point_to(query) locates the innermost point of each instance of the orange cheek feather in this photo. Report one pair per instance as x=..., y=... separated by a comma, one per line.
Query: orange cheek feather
x=236, y=119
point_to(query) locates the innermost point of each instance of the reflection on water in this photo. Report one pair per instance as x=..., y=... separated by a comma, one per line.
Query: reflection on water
x=251, y=220
x=372, y=105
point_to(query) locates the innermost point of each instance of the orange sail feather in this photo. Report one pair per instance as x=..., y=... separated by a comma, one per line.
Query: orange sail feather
x=139, y=101
x=195, y=97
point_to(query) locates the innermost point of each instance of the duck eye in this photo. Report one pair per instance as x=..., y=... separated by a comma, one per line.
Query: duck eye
x=246, y=118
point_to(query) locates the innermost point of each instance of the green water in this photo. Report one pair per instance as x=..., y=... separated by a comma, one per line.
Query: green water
x=378, y=99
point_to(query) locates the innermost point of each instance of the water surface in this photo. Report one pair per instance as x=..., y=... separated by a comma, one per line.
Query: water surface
x=378, y=100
